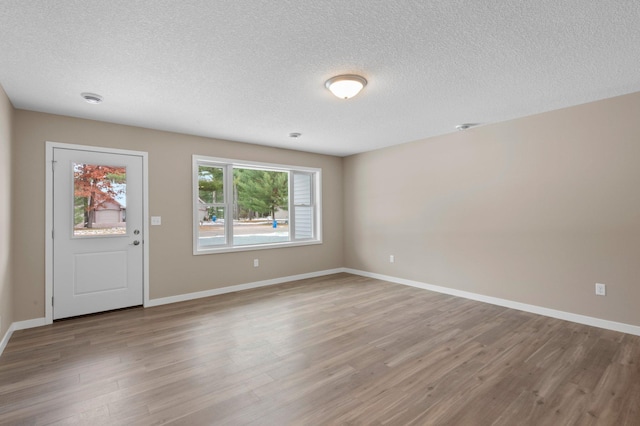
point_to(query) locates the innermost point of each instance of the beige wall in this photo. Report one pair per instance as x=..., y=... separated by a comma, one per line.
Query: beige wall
x=173, y=268
x=535, y=210
x=6, y=290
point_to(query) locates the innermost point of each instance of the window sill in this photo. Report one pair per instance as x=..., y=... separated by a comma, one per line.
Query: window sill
x=226, y=249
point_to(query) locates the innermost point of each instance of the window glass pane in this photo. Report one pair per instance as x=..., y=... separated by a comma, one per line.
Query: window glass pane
x=260, y=232
x=304, y=222
x=99, y=200
x=211, y=184
x=303, y=202
x=302, y=189
x=211, y=226
x=261, y=206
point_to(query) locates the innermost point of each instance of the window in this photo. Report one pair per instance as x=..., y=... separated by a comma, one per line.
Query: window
x=247, y=206
x=99, y=200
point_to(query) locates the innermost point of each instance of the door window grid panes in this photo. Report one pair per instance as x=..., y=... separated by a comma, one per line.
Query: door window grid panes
x=99, y=200
x=242, y=206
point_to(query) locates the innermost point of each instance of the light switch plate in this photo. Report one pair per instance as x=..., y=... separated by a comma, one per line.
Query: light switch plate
x=156, y=220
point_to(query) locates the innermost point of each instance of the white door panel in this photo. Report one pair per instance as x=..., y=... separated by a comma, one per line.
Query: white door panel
x=97, y=263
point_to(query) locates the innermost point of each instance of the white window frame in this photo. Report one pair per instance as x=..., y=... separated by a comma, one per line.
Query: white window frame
x=228, y=165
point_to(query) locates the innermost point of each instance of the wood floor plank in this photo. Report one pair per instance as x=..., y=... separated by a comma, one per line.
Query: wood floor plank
x=340, y=349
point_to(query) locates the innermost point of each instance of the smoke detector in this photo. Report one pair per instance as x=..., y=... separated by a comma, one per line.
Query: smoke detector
x=465, y=126
x=91, y=98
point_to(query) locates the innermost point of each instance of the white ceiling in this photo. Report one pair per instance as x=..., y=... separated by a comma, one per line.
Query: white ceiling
x=254, y=70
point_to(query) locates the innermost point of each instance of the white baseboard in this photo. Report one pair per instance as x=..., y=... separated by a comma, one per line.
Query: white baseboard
x=5, y=338
x=553, y=313
x=20, y=325
x=239, y=287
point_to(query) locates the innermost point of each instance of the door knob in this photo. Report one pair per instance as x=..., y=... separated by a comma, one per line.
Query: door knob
x=135, y=243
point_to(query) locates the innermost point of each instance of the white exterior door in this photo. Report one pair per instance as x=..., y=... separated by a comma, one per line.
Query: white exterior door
x=97, y=231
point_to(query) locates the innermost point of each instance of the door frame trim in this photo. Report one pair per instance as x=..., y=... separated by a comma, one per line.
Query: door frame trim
x=48, y=288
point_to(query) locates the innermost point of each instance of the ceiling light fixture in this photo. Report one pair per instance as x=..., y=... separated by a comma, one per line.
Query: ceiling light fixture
x=295, y=135
x=345, y=86
x=91, y=98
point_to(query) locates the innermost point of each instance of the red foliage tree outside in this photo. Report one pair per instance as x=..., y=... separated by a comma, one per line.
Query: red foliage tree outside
x=95, y=185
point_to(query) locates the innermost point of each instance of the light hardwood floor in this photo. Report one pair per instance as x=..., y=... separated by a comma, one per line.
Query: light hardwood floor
x=333, y=350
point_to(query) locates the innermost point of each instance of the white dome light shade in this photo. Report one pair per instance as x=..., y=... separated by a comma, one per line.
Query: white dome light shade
x=345, y=86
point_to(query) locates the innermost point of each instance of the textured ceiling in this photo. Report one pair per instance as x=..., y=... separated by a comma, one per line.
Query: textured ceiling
x=254, y=71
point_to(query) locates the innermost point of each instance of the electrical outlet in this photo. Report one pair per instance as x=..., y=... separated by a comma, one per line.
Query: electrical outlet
x=256, y=263
x=601, y=289
x=392, y=258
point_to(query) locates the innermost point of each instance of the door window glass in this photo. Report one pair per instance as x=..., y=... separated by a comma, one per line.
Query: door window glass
x=99, y=200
